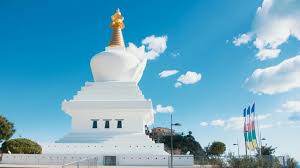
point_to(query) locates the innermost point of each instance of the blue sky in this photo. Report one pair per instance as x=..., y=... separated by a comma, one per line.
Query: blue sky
x=46, y=47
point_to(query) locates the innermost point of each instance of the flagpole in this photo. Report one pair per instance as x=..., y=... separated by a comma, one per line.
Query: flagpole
x=238, y=144
x=259, y=133
x=257, y=128
x=245, y=132
x=246, y=149
x=260, y=143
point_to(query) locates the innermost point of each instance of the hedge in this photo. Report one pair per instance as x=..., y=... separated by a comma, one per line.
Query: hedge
x=21, y=146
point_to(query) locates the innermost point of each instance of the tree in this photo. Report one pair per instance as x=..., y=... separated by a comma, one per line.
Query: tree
x=184, y=144
x=6, y=129
x=267, y=150
x=291, y=163
x=21, y=146
x=217, y=148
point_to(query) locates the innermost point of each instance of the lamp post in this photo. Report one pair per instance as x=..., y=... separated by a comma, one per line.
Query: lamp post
x=238, y=146
x=261, y=139
x=176, y=124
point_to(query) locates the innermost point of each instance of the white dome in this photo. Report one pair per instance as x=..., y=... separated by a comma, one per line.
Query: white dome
x=115, y=64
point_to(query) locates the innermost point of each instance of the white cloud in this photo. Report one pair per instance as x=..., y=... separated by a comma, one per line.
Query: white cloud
x=164, y=109
x=175, y=54
x=265, y=54
x=150, y=49
x=292, y=122
x=188, y=78
x=167, y=73
x=234, y=123
x=265, y=126
x=275, y=22
x=276, y=79
x=157, y=44
x=264, y=116
x=204, y=124
x=217, y=123
x=242, y=39
x=178, y=84
x=290, y=106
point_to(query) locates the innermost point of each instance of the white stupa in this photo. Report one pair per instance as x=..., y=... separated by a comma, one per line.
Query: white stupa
x=113, y=105
x=109, y=115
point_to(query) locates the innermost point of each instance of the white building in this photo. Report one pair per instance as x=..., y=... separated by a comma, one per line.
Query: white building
x=109, y=115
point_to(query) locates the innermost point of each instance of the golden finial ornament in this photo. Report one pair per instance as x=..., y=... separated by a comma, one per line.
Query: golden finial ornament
x=117, y=25
x=117, y=20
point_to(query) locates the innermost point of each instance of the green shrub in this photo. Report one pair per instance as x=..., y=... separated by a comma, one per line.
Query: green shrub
x=21, y=146
x=268, y=161
x=253, y=162
x=217, y=162
x=291, y=163
x=243, y=162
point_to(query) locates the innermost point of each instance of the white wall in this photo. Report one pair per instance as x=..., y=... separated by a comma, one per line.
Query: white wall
x=109, y=100
x=40, y=159
x=131, y=122
x=104, y=148
x=122, y=160
x=183, y=160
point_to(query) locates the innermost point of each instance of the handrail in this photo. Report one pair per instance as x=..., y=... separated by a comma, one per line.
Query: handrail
x=78, y=161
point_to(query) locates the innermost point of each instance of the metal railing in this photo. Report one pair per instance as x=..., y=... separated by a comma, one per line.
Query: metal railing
x=89, y=162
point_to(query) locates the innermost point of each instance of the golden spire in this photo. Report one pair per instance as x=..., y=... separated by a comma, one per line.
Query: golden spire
x=117, y=25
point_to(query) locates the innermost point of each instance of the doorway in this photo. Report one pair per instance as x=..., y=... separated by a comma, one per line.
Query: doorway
x=110, y=161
